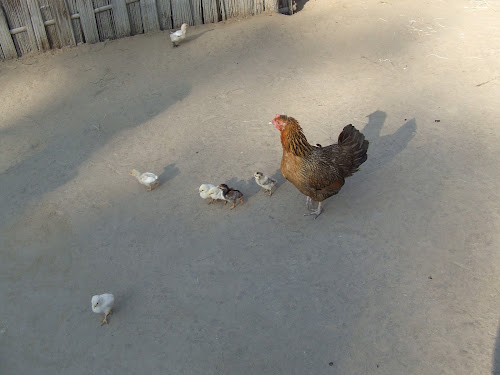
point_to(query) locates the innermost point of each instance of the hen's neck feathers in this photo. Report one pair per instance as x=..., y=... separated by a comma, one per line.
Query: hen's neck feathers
x=293, y=139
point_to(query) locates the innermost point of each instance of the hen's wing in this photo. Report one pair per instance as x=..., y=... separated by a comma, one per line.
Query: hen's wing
x=323, y=172
x=327, y=167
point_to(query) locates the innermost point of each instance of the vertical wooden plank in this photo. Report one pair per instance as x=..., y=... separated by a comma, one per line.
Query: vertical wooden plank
x=120, y=18
x=230, y=8
x=29, y=26
x=247, y=7
x=196, y=12
x=13, y=14
x=6, y=42
x=104, y=21
x=223, y=12
x=63, y=23
x=38, y=26
x=47, y=15
x=164, y=14
x=77, y=28
x=258, y=6
x=271, y=5
x=149, y=16
x=134, y=15
x=87, y=19
x=210, y=14
x=181, y=13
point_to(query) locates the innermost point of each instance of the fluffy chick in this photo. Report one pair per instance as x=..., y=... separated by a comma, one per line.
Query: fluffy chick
x=147, y=178
x=231, y=195
x=204, y=191
x=215, y=194
x=179, y=35
x=103, y=304
x=265, y=182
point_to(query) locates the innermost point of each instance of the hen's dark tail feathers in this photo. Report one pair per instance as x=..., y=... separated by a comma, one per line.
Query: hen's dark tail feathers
x=351, y=138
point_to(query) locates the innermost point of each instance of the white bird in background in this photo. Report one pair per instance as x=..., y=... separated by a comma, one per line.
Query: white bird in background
x=147, y=178
x=103, y=304
x=178, y=35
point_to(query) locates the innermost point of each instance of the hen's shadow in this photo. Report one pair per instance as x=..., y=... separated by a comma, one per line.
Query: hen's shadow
x=383, y=150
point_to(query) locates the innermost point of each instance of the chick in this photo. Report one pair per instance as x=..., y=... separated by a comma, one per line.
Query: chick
x=204, y=191
x=231, y=195
x=103, y=304
x=265, y=181
x=147, y=178
x=216, y=194
x=178, y=35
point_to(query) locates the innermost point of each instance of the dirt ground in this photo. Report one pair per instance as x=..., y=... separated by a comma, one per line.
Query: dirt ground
x=399, y=275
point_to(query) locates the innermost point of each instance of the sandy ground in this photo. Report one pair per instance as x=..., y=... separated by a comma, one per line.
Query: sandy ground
x=399, y=275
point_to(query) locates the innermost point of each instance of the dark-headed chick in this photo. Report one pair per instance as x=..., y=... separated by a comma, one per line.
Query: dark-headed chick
x=231, y=195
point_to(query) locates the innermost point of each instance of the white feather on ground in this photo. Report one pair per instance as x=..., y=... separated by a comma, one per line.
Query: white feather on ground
x=103, y=304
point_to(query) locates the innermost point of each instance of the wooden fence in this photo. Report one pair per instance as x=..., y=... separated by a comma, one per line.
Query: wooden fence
x=38, y=25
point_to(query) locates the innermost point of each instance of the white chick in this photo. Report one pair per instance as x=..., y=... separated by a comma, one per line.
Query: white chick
x=265, y=181
x=103, y=304
x=147, y=178
x=216, y=194
x=178, y=35
x=204, y=191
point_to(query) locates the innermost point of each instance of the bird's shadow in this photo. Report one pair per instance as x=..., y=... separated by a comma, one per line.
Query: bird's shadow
x=122, y=301
x=190, y=37
x=383, y=150
x=169, y=172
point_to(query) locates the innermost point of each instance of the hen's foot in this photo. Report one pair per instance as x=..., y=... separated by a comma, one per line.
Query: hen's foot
x=308, y=203
x=316, y=212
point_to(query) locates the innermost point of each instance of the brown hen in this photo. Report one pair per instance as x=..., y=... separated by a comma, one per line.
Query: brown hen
x=319, y=172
